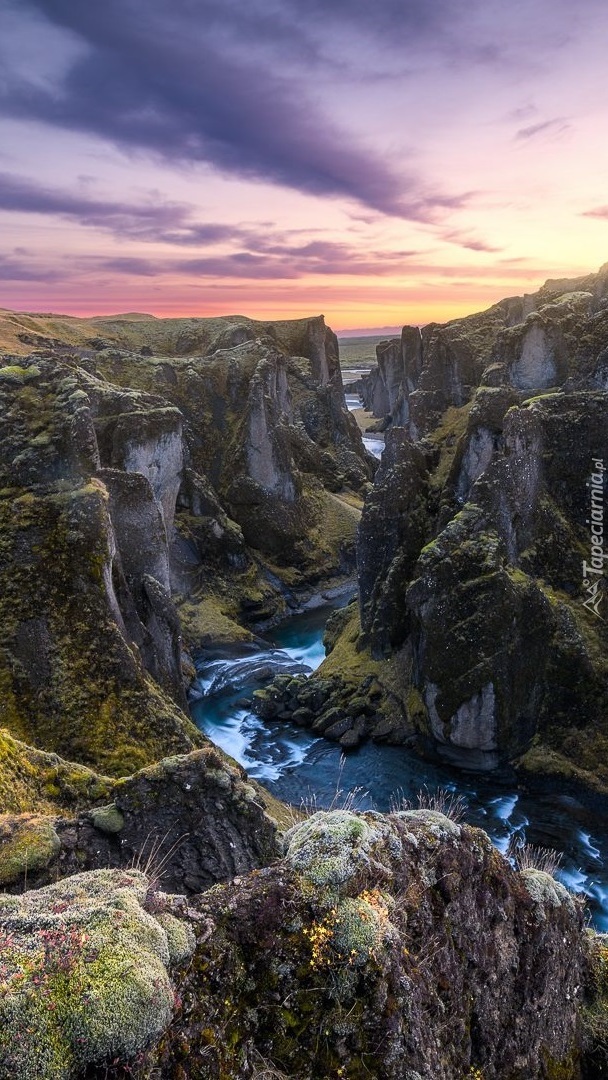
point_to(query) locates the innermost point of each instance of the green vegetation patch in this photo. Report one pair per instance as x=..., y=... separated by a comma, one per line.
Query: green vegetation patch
x=27, y=843
x=84, y=974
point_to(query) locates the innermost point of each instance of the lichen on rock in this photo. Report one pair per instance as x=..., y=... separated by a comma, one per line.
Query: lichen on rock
x=85, y=974
x=382, y=946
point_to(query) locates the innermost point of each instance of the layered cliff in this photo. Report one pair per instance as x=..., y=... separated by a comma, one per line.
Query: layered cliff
x=534, y=342
x=225, y=480
x=481, y=551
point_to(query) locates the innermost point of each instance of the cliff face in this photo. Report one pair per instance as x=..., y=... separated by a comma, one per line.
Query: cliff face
x=226, y=478
x=532, y=343
x=481, y=556
x=86, y=617
x=267, y=429
x=486, y=530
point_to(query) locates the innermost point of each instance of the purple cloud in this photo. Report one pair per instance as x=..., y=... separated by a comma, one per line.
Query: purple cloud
x=160, y=77
x=471, y=243
x=152, y=220
x=17, y=270
x=557, y=125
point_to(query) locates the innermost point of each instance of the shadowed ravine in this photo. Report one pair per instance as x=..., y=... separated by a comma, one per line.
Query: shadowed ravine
x=298, y=767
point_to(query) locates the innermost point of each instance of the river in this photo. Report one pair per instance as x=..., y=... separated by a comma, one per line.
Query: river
x=302, y=768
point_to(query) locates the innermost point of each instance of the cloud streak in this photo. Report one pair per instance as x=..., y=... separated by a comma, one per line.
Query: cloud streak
x=600, y=212
x=154, y=81
x=19, y=270
x=556, y=126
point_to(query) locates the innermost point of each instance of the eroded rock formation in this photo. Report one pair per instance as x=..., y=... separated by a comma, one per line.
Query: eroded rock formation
x=486, y=631
x=228, y=478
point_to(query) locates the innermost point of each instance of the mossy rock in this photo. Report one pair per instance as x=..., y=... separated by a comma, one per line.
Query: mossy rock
x=333, y=847
x=26, y=843
x=108, y=819
x=85, y=972
x=32, y=780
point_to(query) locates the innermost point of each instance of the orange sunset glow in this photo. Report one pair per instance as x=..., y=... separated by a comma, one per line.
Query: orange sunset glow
x=401, y=164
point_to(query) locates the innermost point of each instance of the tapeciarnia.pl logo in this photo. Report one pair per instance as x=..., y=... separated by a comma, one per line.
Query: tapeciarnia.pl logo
x=593, y=571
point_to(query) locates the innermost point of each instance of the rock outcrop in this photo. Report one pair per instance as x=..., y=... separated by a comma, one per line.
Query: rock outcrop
x=126, y=481
x=193, y=819
x=377, y=946
x=481, y=555
x=391, y=947
x=89, y=659
x=269, y=441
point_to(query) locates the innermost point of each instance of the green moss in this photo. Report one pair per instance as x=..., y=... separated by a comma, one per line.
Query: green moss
x=541, y=397
x=180, y=938
x=445, y=438
x=542, y=760
x=566, y=1069
x=32, y=780
x=209, y=619
x=332, y=847
x=545, y=890
x=595, y=1012
x=108, y=819
x=84, y=977
x=13, y=373
x=348, y=657
x=416, y=710
x=26, y=844
x=339, y=520
x=361, y=927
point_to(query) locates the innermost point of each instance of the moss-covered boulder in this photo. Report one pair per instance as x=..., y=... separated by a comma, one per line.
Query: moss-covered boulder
x=27, y=845
x=85, y=970
x=390, y=947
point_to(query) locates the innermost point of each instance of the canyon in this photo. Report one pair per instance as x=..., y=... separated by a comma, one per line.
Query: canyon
x=171, y=490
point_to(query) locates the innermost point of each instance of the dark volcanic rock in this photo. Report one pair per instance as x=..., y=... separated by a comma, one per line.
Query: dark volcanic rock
x=473, y=544
x=386, y=947
x=378, y=947
x=189, y=821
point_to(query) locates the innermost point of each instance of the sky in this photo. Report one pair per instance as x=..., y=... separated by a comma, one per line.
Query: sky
x=384, y=163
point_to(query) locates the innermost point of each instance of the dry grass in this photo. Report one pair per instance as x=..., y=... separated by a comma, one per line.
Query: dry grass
x=361, y=351
x=264, y=1069
x=151, y=861
x=528, y=857
x=441, y=801
x=342, y=799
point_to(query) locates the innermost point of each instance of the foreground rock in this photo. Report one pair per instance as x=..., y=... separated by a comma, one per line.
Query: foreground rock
x=399, y=946
x=377, y=946
x=194, y=820
x=85, y=968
